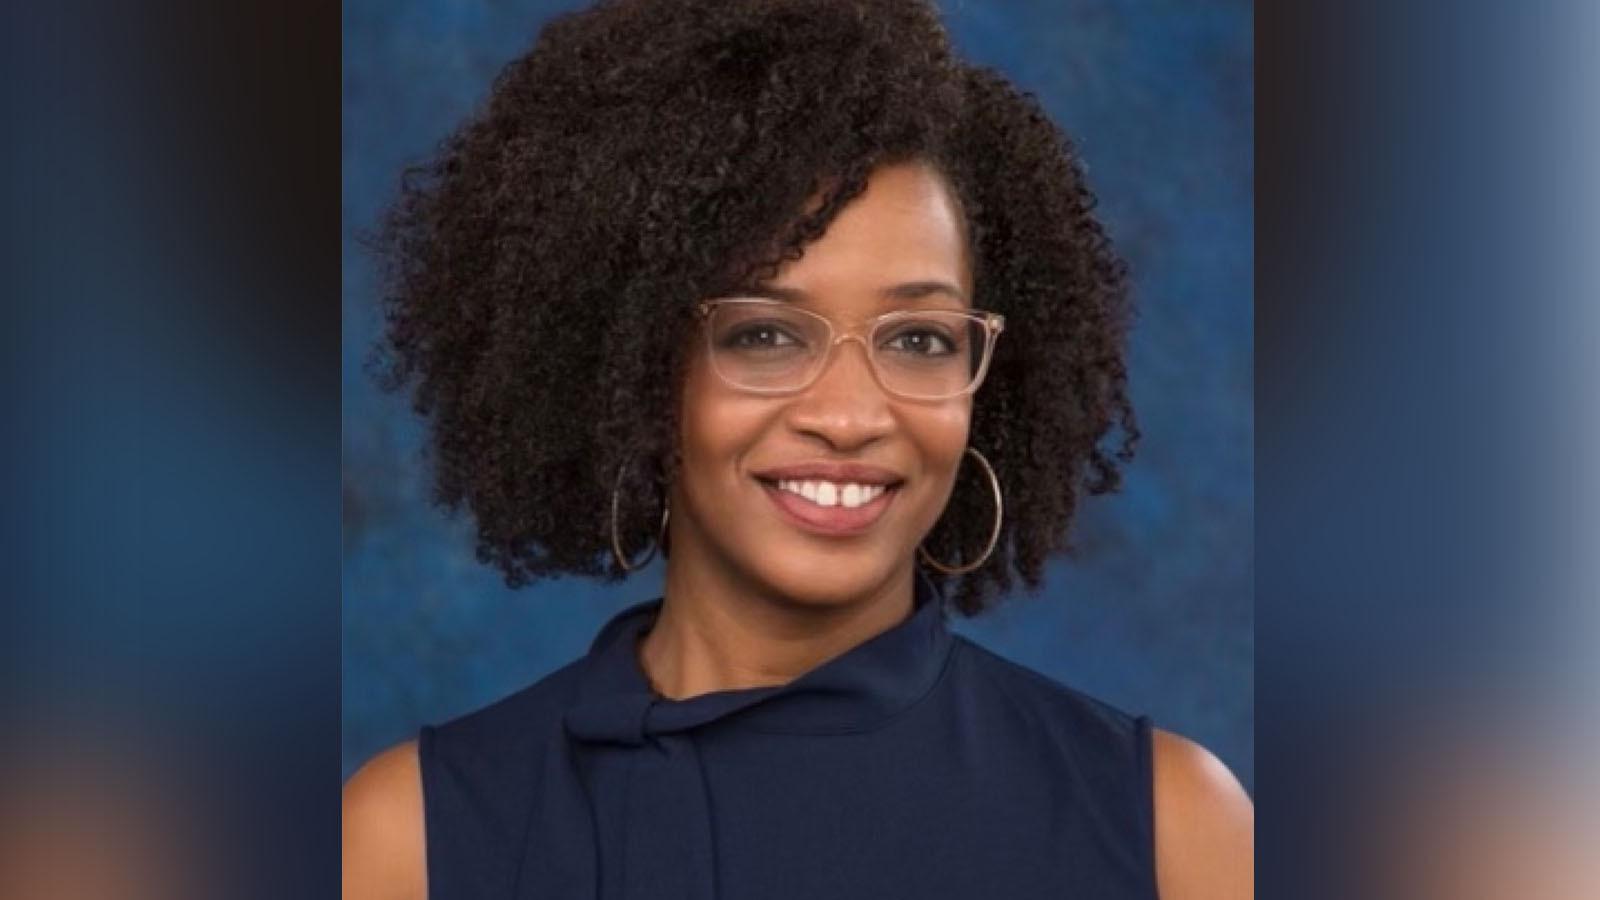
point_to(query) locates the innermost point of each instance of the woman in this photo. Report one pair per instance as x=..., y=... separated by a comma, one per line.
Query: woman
x=790, y=295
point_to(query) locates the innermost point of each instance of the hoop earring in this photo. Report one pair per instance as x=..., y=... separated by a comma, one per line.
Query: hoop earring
x=994, y=535
x=616, y=543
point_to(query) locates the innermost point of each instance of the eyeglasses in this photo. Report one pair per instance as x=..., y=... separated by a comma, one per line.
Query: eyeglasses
x=774, y=347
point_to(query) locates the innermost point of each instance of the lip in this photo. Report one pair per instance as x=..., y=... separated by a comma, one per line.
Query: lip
x=831, y=521
x=839, y=473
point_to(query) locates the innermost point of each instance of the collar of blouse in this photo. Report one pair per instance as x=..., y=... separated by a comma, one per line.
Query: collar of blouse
x=856, y=691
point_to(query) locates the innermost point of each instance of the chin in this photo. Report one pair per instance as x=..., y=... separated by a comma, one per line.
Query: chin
x=822, y=579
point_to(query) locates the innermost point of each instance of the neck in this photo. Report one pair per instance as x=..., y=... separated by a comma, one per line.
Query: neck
x=715, y=634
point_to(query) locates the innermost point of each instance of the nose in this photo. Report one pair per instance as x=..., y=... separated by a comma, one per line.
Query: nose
x=845, y=407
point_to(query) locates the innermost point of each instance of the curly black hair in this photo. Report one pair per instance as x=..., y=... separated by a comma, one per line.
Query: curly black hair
x=541, y=270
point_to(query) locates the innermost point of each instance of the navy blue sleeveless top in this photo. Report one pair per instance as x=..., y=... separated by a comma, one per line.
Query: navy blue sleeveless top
x=917, y=764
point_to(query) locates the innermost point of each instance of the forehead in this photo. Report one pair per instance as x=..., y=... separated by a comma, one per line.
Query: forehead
x=904, y=229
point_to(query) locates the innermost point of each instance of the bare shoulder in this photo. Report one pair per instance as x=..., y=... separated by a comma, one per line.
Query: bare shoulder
x=1204, y=823
x=384, y=839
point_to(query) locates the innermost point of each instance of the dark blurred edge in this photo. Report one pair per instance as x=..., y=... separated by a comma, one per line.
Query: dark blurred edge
x=1416, y=431
x=171, y=445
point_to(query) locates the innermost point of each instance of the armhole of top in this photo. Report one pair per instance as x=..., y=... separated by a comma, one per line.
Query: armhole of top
x=426, y=769
x=1144, y=752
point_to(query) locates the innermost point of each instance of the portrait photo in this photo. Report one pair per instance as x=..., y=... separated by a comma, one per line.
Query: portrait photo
x=798, y=448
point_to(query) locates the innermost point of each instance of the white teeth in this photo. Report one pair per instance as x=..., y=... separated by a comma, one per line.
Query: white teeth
x=827, y=493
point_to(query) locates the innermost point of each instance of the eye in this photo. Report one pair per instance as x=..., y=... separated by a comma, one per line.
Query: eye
x=921, y=341
x=759, y=336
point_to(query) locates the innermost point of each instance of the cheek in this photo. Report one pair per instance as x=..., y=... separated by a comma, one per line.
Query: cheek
x=941, y=435
x=718, y=426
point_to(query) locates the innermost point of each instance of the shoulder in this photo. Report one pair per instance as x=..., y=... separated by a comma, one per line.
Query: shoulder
x=1204, y=823
x=383, y=843
x=486, y=760
x=1203, y=828
x=1065, y=713
x=448, y=794
x=1049, y=735
x=503, y=732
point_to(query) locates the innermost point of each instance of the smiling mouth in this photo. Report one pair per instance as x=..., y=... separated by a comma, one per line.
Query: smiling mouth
x=830, y=508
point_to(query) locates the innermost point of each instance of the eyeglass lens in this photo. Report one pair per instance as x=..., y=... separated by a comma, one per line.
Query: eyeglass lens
x=771, y=347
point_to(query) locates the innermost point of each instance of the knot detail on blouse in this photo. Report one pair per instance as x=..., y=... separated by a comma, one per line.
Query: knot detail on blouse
x=851, y=692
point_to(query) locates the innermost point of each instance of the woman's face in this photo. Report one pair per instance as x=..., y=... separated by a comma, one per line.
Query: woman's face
x=733, y=507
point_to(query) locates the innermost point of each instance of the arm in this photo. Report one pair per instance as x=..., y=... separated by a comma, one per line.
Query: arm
x=384, y=841
x=1204, y=823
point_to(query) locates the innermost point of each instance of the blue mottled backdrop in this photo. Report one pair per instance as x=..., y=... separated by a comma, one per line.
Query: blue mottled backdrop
x=1156, y=613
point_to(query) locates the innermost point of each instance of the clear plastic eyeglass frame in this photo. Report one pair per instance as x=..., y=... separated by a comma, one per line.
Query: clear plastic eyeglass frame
x=991, y=323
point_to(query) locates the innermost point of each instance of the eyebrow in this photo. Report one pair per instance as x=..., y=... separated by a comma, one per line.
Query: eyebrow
x=910, y=290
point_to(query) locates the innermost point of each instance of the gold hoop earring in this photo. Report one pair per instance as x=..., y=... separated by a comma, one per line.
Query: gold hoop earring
x=616, y=542
x=994, y=535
